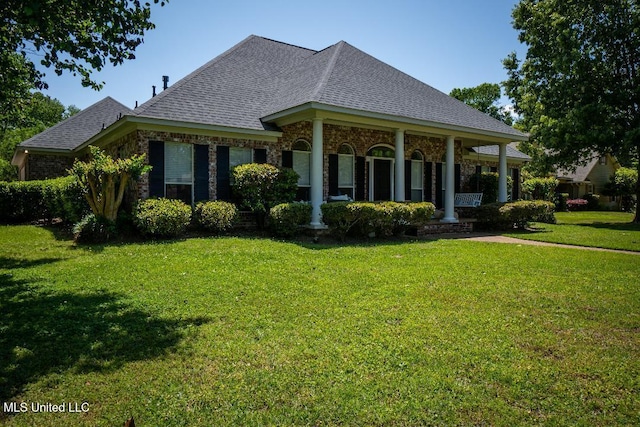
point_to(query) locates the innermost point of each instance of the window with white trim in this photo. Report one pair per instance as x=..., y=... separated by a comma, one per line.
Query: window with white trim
x=346, y=170
x=417, y=176
x=302, y=162
x=178, y=171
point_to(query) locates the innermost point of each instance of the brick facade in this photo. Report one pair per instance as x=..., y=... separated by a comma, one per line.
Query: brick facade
x=361, y=140
x=43, y=166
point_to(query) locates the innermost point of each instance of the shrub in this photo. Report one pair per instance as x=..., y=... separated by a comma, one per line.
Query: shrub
x=489, y=185
x=262, y=186
x=522, y=212
x=420, y=212
x=47, y=199
x=286, y=219
x=162, y=217
x=93, y=229
x=593, y=201
x=365, y=218
x=339, y=218
x=540, y=188
x=506, y=216
x=216, y=216
x=577, y=204
x=392, y=218
x=561, y=202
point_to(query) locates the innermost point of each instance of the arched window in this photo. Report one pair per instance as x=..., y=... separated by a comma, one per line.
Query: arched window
x=417, y=176
x=302, y=162
x=346, y=170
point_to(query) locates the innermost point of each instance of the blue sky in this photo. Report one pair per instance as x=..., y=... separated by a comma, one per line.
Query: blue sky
x=444, y=43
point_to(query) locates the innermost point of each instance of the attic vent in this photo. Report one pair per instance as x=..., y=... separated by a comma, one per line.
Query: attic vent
x=165, y=82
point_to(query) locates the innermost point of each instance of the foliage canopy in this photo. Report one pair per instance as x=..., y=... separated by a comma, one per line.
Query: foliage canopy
x=104, y=180
x=578, y=90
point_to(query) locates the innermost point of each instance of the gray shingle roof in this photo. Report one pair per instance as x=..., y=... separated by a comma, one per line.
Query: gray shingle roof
x=494, y=150
x=72, y=132
x=259, y=77
x=580, y=174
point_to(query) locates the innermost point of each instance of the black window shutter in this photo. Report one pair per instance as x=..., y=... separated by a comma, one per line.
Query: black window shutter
x=287, y=159
x=458, y=177
x=201, y=173
x=333, y=174
x=360, y=190
x=156, y=176
x=223, y=182
x=260, y=155
x=407, y=180
x=439, y=201
x=515, y=192
x=477, y=179
x=428, y=182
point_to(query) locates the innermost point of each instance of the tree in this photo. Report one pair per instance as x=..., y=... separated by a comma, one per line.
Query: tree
x=578, y=89
x=623, y=184
x=104, y=180
x=37, y=113
x=77, y=36
x=485, y=98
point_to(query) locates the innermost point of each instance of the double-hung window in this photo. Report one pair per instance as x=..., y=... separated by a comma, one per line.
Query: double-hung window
x=178, y=171
x=417, y=176
x=346, y=170
x=302, y=162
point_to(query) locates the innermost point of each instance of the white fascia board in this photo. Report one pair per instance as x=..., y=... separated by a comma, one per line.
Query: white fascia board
x=447, y=129
x=150, y=123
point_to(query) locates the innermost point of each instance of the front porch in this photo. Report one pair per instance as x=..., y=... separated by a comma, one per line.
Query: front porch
x=389, y=171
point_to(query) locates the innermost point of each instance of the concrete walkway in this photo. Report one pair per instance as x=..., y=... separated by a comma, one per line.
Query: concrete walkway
x=490, y=238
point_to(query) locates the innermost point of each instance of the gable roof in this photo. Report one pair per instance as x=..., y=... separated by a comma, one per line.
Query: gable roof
x=259, y=77
x=582, y=171
x=72, y=132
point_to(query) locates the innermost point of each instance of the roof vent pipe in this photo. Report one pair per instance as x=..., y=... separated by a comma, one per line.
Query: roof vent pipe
x=165, y=82
x=154, y=91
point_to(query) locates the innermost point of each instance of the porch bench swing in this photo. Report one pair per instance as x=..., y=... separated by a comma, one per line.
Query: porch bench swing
x=467, y=200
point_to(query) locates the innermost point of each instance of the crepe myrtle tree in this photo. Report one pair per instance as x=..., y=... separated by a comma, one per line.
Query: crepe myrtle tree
x=104, y=180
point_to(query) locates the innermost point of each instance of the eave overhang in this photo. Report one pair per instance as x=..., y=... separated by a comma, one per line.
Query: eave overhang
x=343, y=115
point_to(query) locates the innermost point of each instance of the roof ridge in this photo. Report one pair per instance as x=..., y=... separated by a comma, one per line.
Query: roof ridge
x=287, y=44
x=328, y=70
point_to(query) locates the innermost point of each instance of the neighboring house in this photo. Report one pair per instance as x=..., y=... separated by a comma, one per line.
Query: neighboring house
x=345, y=121
x=588, y=179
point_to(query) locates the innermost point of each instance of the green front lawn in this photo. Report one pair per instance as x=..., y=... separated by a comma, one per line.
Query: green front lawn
x=240, y=331
x=611, y=230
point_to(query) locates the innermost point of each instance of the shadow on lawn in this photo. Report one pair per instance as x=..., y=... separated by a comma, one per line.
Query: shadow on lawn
x=43, y=332
x=618, y=226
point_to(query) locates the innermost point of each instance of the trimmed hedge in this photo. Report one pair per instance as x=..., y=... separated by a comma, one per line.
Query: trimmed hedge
x=93, y=229
x=380, y=219
x=506, y=216
x=286, y=219
x=216, y=216
x=22, y=201
x=162, y=217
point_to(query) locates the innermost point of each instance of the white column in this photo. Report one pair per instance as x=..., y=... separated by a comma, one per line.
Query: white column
x=399, y=177
x=316, y=174
x=502, y=173
x=450, y=183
